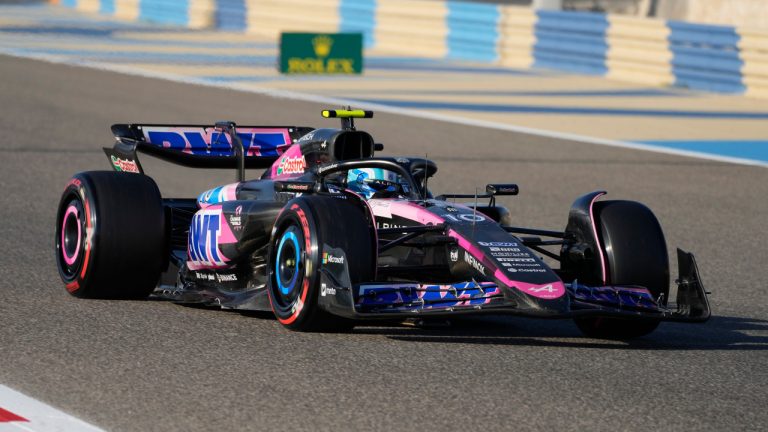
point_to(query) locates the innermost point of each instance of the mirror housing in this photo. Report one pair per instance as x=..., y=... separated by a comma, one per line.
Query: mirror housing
x=497, y=189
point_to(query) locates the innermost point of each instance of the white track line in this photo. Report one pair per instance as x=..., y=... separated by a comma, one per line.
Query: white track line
x=38, y=416
x=307, y=97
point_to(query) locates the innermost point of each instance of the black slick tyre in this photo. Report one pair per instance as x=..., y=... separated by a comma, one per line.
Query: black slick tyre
x=110, y=239
x=635, y=254
x=303, y=226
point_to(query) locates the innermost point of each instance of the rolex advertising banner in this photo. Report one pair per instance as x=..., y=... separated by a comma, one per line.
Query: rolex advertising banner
x=321, y=53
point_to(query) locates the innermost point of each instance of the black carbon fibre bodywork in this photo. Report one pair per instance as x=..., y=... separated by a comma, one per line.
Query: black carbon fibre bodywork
x=432, y=257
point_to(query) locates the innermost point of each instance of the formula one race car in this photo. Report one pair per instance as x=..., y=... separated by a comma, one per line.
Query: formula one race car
x=331, y=235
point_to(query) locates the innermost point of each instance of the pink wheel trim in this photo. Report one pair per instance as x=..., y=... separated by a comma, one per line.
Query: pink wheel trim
x=70, y=259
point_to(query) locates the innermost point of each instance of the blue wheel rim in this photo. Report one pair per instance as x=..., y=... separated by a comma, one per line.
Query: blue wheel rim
x=286, y=288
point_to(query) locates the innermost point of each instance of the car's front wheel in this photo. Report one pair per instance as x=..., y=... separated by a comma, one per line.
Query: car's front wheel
x=304, y=227
x=635, y=253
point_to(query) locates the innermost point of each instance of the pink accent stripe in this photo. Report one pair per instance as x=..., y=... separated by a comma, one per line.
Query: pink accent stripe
x=414, y=212
x=597, y=239
x=549, y=291
x=230, y=192
x=67, y=259
x=554, y=289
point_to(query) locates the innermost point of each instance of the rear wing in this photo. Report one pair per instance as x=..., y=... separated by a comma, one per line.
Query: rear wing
x=223, y=145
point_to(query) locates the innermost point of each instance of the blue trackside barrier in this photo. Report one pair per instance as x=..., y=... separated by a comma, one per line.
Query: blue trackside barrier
x=572, y=41
x=359, y=16
x=706, y=57
x=107, y=6
x=231, y=15
x=173, y=12
x=473, y=31
x=696, y=56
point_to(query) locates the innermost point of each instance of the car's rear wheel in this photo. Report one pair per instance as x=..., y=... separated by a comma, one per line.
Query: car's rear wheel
x=110, y=235
x=636, y=254
x=304, y=226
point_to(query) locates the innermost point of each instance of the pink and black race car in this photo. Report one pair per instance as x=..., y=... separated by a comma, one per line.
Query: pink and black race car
x=332, y=235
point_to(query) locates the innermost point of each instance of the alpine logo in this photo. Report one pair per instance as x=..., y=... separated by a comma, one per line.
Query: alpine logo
x=292, y=165
x=548, y=288
x=125, y=165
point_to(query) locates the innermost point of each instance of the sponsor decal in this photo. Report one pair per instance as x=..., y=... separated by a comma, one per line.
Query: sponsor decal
x=473, y=262
x=291, y=165
x=203, y=239
x=531, y=270
x=499, y=244
x=451, y=209
x=207, y=141
x=125, y=165
x=204, y=276
x=402, y=160
x=229, y=277
x=516, y=259
x=504, y=249
x=325, y=168
x=509, y=254
x=326, y=290
x=548, y=288
x=454, y=254
x=328, y=258
x=321, y=53
x=382, y=225
x=297, y=187
x=307, y=137
x=235, y=220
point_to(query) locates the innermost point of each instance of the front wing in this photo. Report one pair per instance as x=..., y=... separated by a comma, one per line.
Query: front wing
x=403, y=300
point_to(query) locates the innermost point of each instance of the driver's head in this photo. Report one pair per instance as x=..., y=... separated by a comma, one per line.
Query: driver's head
x=370, y=181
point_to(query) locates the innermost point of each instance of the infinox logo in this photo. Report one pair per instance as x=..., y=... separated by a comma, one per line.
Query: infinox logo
x=473, y=262
x=291, y=165
x=126, y=165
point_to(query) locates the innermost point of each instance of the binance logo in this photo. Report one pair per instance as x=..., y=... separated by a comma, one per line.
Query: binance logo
x=322, y=45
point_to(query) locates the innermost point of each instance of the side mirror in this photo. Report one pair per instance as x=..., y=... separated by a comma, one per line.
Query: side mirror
x=502, y=189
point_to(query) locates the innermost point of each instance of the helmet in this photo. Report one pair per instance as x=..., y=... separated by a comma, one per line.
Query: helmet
x=371, y=181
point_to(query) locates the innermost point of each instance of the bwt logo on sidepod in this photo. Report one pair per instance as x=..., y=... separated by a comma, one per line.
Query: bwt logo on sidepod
x=204, y=238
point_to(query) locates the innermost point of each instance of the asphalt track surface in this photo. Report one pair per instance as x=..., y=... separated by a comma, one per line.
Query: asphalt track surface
x=153, y=365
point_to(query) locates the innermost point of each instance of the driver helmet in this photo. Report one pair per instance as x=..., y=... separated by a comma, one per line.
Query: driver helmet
x=368, y=181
